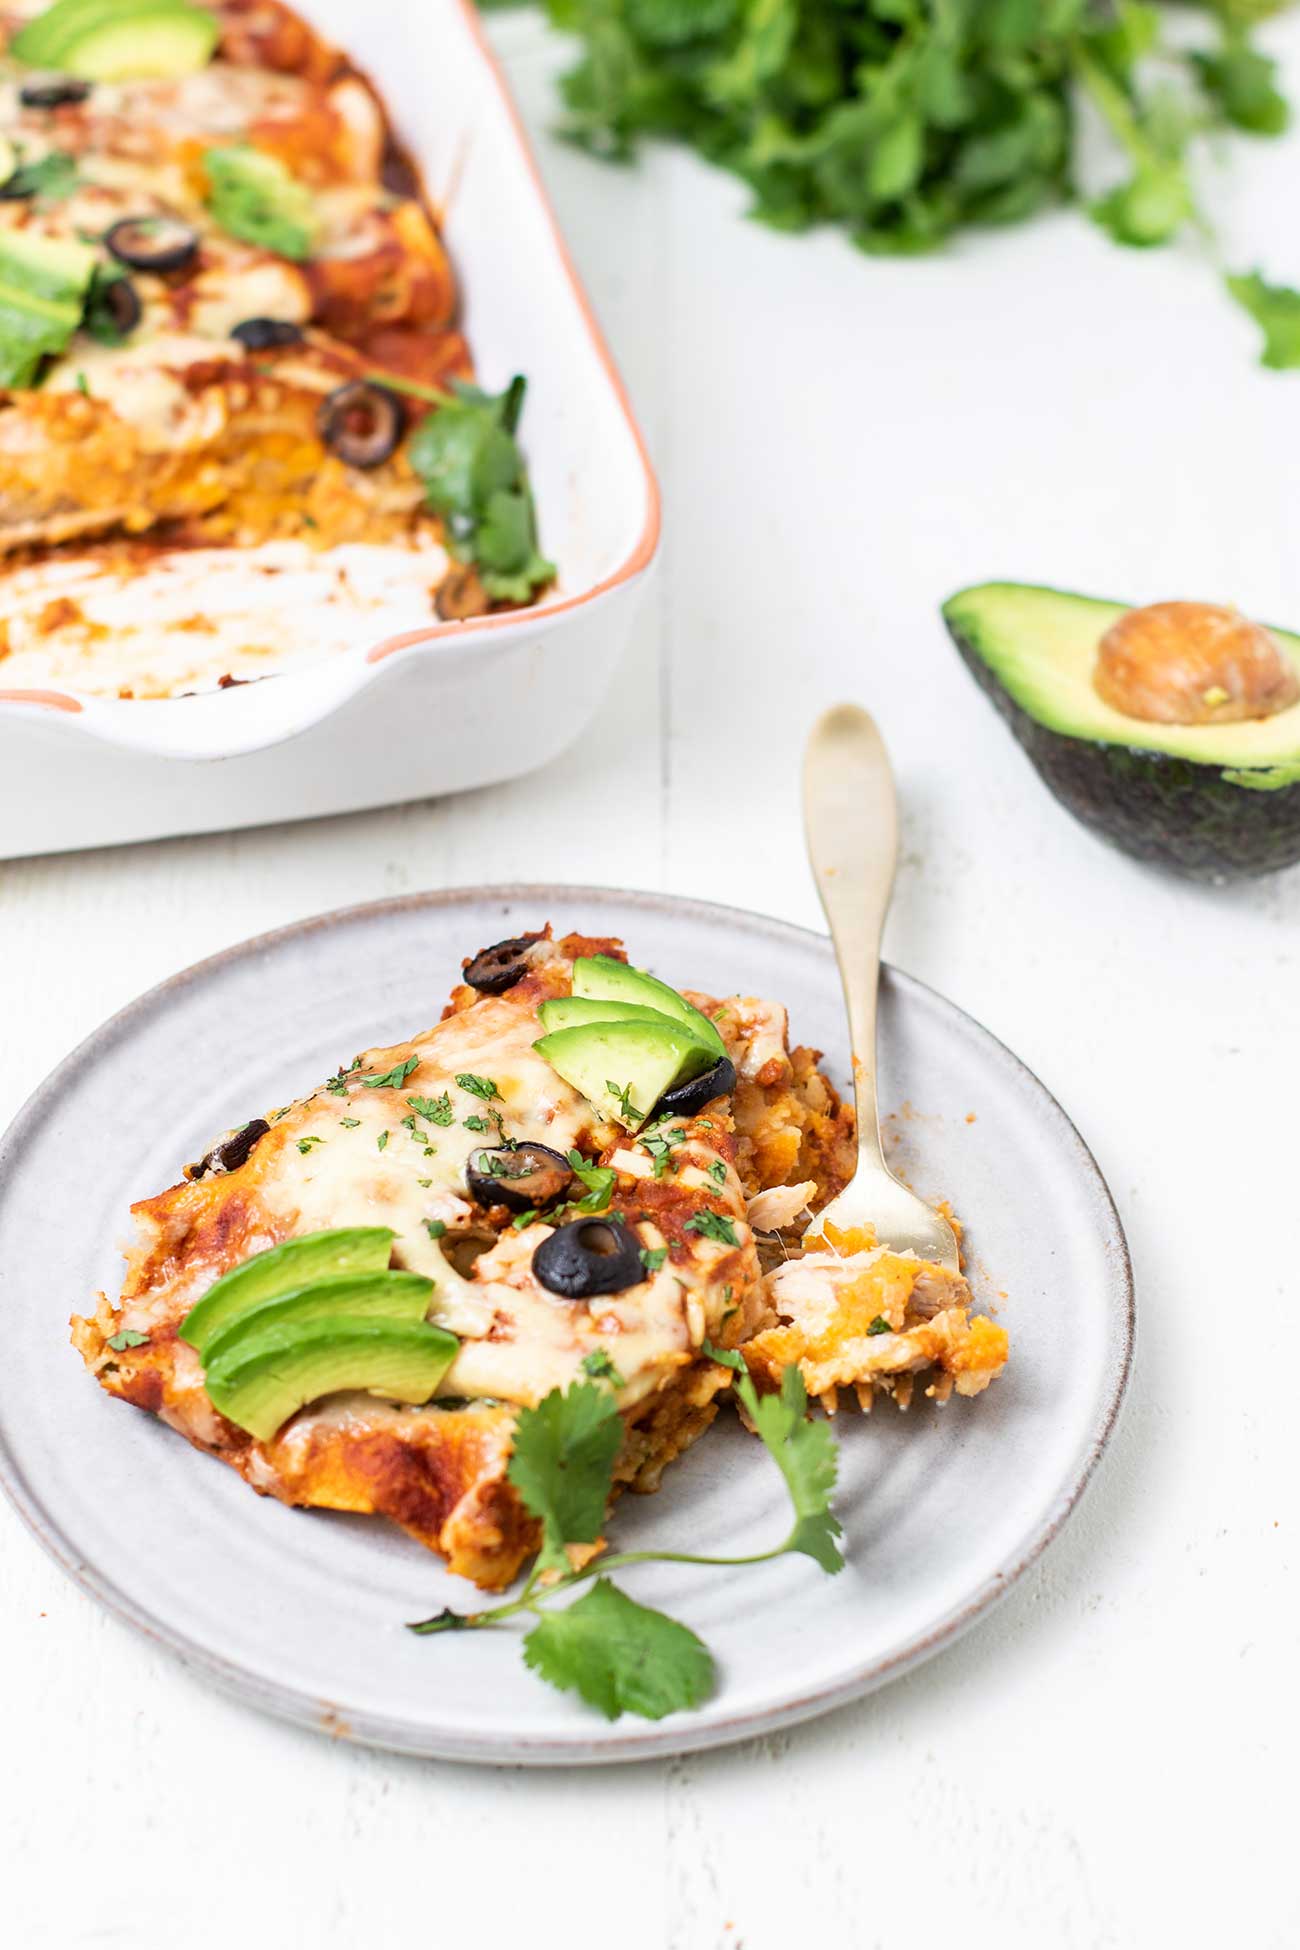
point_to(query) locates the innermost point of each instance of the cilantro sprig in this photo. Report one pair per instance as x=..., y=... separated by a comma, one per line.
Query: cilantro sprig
x=618, y=1655
x=904, y=123
x=476, y=480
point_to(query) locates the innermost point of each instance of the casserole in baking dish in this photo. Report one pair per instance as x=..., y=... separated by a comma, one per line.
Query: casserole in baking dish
x=317, y=523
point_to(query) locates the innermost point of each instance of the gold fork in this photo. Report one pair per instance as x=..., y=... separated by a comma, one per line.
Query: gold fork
x=851, y=825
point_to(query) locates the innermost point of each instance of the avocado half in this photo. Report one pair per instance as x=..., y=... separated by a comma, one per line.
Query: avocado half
x=1215, y=802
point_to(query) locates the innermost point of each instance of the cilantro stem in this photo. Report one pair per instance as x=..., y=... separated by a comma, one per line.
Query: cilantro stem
x=530, y=1599
x=433, y=394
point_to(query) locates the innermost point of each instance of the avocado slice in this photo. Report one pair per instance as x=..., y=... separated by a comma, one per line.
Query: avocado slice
x=266, y=1377
x=1214, y=802
x=254, y=197
x=572, y=1011
x=603, y=979
x=624, y=1068
x=120, y=40
x=43, y=286
x=385, y=1295
x=285, y=1269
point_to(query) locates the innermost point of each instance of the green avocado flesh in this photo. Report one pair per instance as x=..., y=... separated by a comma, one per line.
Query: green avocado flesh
x=282, y=1270
x=602, y=979
x=267, y=1376
x=575, y=1011
x=119, y=40
x=402, y=1297
x=255, y=198
x=1215, y=802
x=43, y=286
x=642, y=1058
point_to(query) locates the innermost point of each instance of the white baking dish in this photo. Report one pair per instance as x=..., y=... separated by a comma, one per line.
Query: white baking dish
x=451, y=705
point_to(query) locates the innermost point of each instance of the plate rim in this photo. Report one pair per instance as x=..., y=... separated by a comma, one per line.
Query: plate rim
x=653, y=1740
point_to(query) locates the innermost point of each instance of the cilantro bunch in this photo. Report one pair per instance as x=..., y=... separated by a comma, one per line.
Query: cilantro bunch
x=620, y=1656
x=905, y=121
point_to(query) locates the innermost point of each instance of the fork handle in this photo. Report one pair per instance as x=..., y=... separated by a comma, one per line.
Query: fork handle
x=851, y=825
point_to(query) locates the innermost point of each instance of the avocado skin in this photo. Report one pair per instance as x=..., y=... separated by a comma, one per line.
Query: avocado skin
x=1168, y=812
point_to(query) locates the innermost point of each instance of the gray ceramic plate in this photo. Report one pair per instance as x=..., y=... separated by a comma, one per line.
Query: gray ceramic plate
x=302, y=1612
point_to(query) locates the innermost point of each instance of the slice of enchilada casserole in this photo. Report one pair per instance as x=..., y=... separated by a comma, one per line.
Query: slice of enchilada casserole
x=230, y=362
x=578, y=1173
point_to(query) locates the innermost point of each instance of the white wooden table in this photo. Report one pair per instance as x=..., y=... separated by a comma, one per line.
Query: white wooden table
x=1106, y=1761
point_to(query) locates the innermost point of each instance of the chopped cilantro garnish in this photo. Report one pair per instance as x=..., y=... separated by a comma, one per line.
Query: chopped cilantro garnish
x=479, y=1124
x=434, y=1227
x=600, y=1367
x=712, y=1225
x=622, y=1095
x=600, y=1181
x=661, y=1142
x=349, y=1123
x=479, y=1086
x=381, y=1142
x=53, y=177
x=437, y=1110
x=718, y=1172
x=880, y=1326
x=653, y=1257
x=305, y=1143
x=126, y=1337
x=393, y=1079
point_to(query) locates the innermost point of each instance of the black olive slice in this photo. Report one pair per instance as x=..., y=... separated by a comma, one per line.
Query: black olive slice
x=231, y=1152
x=152, y=243
x=526, y=1177
x=261, y=334
x=587, y=1257
x=684, y=1098
x=361, y=422
x=496, y=969
x=114, y=306
x=53, y=91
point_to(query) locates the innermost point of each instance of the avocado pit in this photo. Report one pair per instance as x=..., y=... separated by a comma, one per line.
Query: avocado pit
x=1193, y=664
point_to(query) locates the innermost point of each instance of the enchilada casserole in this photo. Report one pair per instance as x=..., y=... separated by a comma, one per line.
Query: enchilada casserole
x=577, y=1173
x=237, y=419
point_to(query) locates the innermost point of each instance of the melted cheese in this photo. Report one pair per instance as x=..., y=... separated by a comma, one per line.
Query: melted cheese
x=362, y=1153
x=101, y=625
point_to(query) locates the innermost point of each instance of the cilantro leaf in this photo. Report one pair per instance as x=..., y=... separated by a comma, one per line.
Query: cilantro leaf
x=599, y=1180
x=805, y=1454
x=1244, y=84
x=478, y=1086
x=879, y=1326
x=126, y=1337
x=712, y=1225
x=437, y=1110
x=653, y=1257
x=393, y=1079
x=600, y=1367
x=803, y=1451
x=563, y=1457
x=54, y=177
x=1275, y=308
x=619, y=1656
x=475, y=479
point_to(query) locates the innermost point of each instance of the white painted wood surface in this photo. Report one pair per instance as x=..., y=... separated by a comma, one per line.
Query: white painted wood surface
x=1106, y=1762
